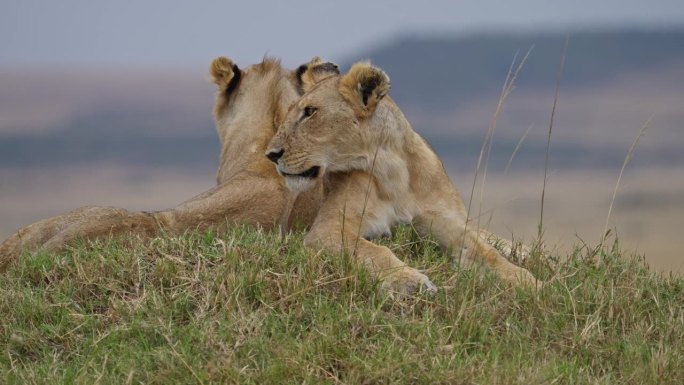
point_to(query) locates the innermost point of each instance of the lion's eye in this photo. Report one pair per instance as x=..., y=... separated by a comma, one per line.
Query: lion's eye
x=308, y=111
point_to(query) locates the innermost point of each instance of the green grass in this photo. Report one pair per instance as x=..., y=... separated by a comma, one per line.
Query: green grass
x=244, y=307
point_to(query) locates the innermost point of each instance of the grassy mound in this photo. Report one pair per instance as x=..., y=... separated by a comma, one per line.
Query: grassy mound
x=245, y=307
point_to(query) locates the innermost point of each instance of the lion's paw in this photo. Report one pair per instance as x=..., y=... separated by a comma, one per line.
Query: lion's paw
x=408, y=281
x=522, y=278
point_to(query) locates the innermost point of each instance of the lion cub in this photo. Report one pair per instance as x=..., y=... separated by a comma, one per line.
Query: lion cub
x=377, y=172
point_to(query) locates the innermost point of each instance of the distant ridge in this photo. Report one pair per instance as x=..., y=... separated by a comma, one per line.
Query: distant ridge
x=434, y=71
x=432, y=79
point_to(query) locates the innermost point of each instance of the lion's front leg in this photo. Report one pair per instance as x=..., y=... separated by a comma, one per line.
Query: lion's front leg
x=513, y=251
x=339, y=227
x=448, y=226
x=394, y=274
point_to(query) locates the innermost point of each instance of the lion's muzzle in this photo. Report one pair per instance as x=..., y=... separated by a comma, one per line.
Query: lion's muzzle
x=274, y=155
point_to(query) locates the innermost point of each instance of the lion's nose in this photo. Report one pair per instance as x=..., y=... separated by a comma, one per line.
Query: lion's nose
x=274, y=155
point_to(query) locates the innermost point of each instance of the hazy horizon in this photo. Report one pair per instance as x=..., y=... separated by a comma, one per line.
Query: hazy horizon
x=179, y=34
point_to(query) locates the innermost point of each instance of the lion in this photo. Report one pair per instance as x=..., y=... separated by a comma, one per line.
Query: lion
x=247, y=108
x=377, y=172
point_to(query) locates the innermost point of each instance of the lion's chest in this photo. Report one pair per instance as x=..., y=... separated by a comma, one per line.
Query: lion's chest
x=378, y=222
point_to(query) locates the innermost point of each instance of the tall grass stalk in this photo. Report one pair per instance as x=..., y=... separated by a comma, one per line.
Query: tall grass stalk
x=628, y=158
x=517, y=147
x=490, y=212
x=548, y=141
x=483, y=157
x=365, y=201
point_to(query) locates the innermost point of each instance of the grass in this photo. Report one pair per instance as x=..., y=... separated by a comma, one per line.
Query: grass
x=244, y=307
x=628, y=157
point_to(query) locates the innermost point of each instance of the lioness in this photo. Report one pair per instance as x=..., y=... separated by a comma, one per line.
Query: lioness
x=248, y=104
x=377, y=172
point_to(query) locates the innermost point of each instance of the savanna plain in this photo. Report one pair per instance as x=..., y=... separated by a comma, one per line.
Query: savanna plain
x=247, y=306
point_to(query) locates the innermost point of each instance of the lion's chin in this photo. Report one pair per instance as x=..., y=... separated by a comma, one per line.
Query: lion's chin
x=302, y=181
x=299, y=184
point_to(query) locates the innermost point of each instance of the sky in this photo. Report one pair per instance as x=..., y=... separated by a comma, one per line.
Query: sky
x=181, y=33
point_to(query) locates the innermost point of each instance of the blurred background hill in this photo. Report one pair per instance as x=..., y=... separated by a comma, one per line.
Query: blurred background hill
x=141, y=136
x=62, y=116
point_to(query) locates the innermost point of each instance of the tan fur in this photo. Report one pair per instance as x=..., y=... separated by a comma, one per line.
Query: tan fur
x=221, y=71
x=248, y=190
x=316, y=70
x=378, y=172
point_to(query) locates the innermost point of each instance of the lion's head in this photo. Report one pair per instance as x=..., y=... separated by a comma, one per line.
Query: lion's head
x=330, y=128
x=250, y=104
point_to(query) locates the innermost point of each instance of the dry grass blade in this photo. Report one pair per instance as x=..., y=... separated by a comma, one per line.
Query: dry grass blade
x=517, y=147
x=172, y=345
x=507, y=88
x=642, y=131
x=365, y=202
x=508, y=165
x=285, y=216
x=548, y=141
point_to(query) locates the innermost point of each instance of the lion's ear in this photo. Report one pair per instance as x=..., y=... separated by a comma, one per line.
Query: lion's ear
x=225, y=74
x=313, y=72
x=364, y=86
